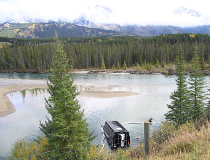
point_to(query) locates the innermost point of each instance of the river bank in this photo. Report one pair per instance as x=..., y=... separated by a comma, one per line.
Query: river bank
x=86, y=89
x=164, y=71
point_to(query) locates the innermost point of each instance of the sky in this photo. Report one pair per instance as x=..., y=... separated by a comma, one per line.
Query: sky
x=130, y=12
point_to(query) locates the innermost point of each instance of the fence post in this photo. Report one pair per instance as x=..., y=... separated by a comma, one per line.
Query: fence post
x=146, y=137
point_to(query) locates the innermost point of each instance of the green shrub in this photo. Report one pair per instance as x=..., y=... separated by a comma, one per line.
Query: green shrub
x=32, y=149
x=163, y=132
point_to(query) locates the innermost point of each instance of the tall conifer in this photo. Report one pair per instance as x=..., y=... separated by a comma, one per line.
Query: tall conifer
x=66, y=130
x=102, y=63
x=201, y=55
x=197, y=84
x=118, y=66
x=124, y=65
x=178, y=112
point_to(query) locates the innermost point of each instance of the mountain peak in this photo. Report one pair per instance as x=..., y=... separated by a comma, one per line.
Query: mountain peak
x=183, y=10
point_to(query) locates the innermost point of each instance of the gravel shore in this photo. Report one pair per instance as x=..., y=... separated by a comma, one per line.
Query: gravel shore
x=87, y=90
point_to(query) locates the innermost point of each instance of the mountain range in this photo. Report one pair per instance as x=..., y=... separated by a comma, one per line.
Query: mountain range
x=86, y=26
x=47, y=30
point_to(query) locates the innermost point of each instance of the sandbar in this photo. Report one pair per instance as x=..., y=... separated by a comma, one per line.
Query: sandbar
x=86, y=90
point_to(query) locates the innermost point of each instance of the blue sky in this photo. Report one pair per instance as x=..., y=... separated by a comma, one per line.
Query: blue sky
x=139, y=12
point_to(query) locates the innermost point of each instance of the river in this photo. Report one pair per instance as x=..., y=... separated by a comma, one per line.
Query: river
x=154, y=95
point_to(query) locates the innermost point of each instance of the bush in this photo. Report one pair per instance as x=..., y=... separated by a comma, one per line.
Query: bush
x=31, y=149
x=97, y=153
x=171, y=71
x=164, y=132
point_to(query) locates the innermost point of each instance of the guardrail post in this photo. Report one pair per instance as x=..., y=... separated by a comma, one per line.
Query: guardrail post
x=146, y=137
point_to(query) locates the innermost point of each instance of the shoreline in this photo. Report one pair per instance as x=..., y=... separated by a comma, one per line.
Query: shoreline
x=164, y=71
x=7, y=107
x=87, y=90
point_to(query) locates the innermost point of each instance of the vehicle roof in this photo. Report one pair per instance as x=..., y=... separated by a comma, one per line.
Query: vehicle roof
x=116, y=126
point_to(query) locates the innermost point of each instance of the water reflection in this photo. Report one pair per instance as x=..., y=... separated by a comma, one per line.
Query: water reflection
x=24, y=123
x=34, y=92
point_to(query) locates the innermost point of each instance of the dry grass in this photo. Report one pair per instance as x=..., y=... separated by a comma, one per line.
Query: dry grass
x=188, y=143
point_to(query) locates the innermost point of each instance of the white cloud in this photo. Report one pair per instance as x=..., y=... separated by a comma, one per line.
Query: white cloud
x=140, y=12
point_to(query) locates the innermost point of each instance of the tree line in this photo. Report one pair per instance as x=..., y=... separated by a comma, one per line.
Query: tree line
x=87, y=53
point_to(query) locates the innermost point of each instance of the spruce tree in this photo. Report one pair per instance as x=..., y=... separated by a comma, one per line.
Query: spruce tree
x=201, y=55
x=102, y=64
x=66, y=130
x=178, y=112
x=124, y=65
x=118, y=66
x=138, y=66
x=197, y=84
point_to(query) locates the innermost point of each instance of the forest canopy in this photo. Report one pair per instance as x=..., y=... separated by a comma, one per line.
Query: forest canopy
x=83, y=53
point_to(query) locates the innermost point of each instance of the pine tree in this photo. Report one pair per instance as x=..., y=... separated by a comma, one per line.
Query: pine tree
x=196, y=88
x=157, y=63
x=118, y=66
x=138, y=66
x=125, y=66
x=102, y=63
x=201, y=55
x=113, y=67
x=179, y=106
x=66, y=131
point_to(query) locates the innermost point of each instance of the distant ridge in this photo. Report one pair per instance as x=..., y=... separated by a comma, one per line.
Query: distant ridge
x=63, y=29
x=47, y=30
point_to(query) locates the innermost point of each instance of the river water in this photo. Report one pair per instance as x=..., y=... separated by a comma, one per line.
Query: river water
x=154, y=95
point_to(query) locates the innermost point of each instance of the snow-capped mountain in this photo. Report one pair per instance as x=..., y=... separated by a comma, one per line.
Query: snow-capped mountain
x=94, y=17
x=98, y=16
x=95, y=13
x=183, y=10
x=103, y=17
x=105, y=13
x=83, y=21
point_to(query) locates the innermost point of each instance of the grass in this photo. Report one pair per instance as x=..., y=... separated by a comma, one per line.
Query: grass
x=186, y=142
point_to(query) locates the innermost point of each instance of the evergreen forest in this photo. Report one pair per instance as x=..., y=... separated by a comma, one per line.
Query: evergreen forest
x=35, y=55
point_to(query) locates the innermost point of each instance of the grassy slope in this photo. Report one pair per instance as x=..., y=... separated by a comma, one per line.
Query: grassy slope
x=10, y=32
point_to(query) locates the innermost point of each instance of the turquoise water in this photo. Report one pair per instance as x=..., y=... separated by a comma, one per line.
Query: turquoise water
x=154, y=95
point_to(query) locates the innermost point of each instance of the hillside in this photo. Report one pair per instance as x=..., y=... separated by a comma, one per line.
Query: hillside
x=47, y=30
x=149, y=30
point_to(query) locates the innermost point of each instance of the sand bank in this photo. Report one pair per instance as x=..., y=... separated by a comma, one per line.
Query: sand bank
x=87, y=90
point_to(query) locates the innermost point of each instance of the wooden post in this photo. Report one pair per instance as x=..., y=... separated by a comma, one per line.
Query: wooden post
x=146, y=137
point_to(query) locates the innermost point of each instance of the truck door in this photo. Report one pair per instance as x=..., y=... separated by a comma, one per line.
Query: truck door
x=122, y=140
